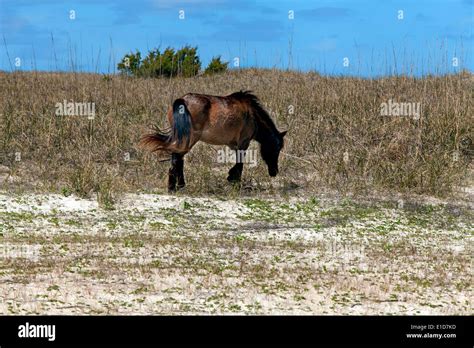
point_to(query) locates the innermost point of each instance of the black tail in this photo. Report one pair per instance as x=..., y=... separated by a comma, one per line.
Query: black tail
x=169, y=139
x=181, y=122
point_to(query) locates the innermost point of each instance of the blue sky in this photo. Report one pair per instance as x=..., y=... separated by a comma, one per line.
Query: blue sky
x=367, y=32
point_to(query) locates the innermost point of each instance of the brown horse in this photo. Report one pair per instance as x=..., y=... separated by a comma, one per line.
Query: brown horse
x=232, y=120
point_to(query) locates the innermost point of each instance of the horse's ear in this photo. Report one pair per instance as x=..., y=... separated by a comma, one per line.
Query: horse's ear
x=283, y=133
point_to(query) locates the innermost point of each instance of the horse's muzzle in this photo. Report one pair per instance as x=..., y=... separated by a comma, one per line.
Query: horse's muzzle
x=272, y=172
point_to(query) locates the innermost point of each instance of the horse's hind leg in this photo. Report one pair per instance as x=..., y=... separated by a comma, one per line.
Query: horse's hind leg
x=180, y=167
x=176, y=173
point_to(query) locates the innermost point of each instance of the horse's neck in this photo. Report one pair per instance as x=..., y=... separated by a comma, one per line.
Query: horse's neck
x=266, y=134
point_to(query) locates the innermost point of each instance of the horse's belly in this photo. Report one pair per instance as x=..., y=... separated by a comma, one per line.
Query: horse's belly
x=230, y=129
x=216, y=138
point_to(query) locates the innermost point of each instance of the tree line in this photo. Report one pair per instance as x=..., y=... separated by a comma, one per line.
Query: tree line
x=183, y=62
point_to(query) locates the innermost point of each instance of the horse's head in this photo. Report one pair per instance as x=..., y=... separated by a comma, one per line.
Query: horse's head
x=271, y=152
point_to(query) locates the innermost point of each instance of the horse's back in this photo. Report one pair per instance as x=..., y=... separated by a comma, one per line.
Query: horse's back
x=220, y=120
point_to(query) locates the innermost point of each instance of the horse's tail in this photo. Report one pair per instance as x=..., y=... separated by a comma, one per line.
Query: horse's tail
x=158, y=141
x=171, y=139
x=181, y=122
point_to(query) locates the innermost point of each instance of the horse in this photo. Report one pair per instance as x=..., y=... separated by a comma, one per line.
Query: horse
x=232, y=120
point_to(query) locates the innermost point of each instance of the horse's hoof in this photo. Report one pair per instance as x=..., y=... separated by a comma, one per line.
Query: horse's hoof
x=233, y=180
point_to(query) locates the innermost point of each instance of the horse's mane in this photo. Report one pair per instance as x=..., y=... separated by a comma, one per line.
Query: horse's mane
x=262, y=116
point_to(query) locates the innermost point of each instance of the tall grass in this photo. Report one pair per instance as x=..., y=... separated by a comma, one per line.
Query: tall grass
x=337, y=136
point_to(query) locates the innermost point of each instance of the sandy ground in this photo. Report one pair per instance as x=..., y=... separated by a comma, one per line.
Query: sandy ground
x=158, y=254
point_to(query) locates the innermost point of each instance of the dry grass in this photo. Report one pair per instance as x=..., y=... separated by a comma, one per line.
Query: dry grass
x=331, y=116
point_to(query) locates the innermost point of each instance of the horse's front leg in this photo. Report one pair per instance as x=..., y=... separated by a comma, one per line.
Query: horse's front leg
x=176, y=173
x=235, y=173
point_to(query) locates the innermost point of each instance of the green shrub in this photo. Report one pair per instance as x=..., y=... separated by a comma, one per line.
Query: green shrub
x=170, y=63
x=188, y=63
x=130, y=64
x=216, y=66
